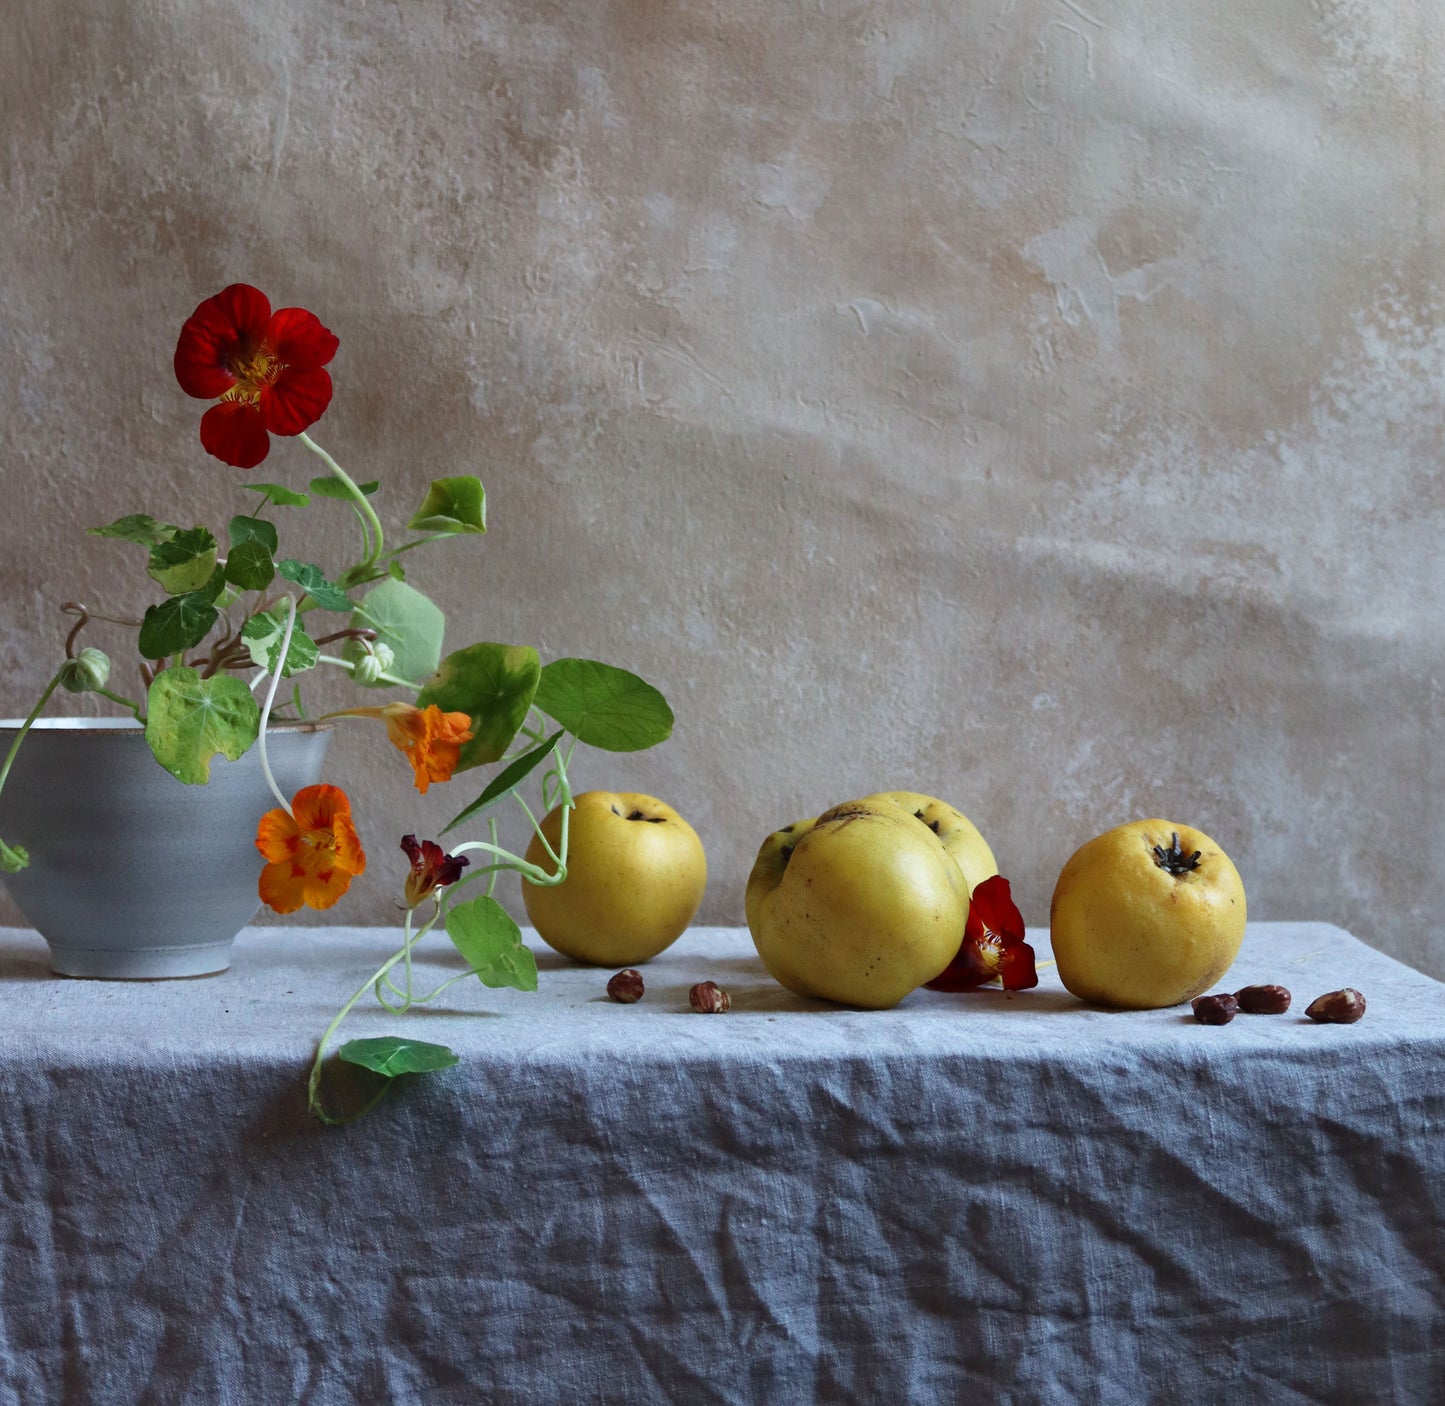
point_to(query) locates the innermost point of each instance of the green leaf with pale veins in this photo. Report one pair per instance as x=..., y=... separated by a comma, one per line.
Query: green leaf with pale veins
x=252, y=529
x=184, y=562
x=493, y=684
x=249, y=563
x=334, y=488
x=262, y=635
x=410, y=623
x=177, y=624
x=190, y=720
x=313, y=581
x=452, y=505
x=511, y=775
x=279, y=494
x=603, y=705
x=390, y=1055
x=137, y=527
x=484, y=933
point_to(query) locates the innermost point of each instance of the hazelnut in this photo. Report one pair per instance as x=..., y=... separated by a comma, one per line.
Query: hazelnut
x=709, y=998
x=1263, y=1000
x=1218, y=1009
x=1343, y=1007
x=626, y=986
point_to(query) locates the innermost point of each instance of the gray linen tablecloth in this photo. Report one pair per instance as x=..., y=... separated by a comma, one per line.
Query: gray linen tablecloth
x=1007, y=1198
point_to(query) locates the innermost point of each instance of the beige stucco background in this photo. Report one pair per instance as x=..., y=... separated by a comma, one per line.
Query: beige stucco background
x=1032, y=402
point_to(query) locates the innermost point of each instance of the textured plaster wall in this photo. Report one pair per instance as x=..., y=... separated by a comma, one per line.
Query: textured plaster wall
x=1033, y=402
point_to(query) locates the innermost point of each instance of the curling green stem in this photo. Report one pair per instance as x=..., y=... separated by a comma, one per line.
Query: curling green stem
x=313, y=1083
x=270, y=699
x=20, y=736
x=135, y=708
x=373, y=538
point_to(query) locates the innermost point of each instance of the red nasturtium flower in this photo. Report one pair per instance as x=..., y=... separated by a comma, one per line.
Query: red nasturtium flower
x=430, y=739
x=312, y=854
x=263, y=369
x=431, y=868
x=993, y=944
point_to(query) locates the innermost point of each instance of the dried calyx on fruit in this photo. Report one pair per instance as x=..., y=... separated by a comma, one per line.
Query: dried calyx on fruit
x=1343, y=1007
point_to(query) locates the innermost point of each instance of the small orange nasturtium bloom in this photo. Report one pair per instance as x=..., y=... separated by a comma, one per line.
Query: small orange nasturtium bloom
x=430, y=739
x=313, y=854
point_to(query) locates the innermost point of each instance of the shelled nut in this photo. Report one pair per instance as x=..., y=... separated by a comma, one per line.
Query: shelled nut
x=1263, y=1000
x=1343, y=1007
x=708, y=998
x=1218, y=1009
x=626, y=986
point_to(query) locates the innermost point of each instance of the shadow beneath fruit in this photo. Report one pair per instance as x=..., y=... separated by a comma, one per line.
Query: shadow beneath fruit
x=996, y=998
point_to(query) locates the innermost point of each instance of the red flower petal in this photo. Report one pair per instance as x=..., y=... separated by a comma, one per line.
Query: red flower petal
x=235, y=433
x=235, y=319
x=1016, y=967
x=297, y=400
x=993, y=944
x=992, y=906
x=298, y=338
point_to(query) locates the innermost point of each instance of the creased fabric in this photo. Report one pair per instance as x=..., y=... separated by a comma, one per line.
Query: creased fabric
x=1010, y=1198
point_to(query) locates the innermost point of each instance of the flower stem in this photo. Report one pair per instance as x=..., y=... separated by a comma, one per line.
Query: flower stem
x=135, y=708
x=15, y=747
x=381, y=677
x=313, y=1083
x=374, y=537
x=271, y=698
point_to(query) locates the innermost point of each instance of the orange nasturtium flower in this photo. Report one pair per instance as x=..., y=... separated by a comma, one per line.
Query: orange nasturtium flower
x=313, y=854
x=430, y=739
x=263, y=370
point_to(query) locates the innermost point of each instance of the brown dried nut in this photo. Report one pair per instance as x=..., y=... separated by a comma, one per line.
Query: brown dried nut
x=1343, y=1007
x=1215, y=1010
x=709, y=998
x=1263, y=1000
x=626, y=986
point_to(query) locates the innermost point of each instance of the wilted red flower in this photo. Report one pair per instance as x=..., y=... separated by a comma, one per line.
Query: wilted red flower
x=263, y=369
x=993, y=944
x=431, y=868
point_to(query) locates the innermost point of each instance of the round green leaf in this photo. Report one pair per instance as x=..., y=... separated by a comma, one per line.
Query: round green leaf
x=313, y=581
x=390, y=1055
x=452, y=505
x=410, y=623
x=183, y=563
x=493, y=684
x=263, y=635
x=176, y=624
x=279, y=494
x=603, y=705
x=137, y=527
x=486, y=935
x=191, y=719
x=249, y=565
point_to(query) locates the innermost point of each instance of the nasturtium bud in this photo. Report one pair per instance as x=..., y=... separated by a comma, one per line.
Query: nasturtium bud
x=369, y=660
x=87, y=673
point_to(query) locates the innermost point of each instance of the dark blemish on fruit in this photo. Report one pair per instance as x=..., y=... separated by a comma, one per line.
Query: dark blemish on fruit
x=932, y=824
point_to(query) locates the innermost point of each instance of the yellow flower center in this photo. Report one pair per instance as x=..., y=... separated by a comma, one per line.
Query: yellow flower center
x=254, y=371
